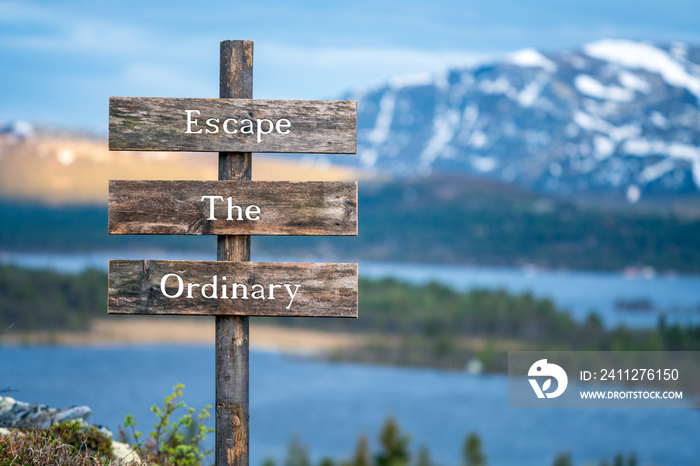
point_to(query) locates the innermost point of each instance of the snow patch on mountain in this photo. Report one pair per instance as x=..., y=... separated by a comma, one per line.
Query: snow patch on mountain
x=444, y=127
x=589, y=86
x=531, y=58
x=616, y=115
x=640, y=55
x=634, y=82
x=416, y=79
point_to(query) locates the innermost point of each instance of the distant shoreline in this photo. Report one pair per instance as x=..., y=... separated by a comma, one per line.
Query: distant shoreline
x=122, y=330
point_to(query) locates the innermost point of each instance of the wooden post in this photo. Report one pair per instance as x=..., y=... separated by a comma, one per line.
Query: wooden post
x=232, y=412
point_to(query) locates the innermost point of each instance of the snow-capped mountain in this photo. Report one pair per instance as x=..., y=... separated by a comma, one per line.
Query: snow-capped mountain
x=615, y=115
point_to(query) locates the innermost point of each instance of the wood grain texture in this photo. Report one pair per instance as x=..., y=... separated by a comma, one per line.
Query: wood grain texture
x=232, y=342
x=286, y=208
x=157, y=123
x=326, y=290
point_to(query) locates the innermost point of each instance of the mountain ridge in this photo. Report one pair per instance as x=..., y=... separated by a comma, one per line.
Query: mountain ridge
x=616, y=117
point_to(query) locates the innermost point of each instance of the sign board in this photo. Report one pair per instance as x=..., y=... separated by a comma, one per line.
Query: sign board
x=232, y=208
x=232, y=125
x=232, y=288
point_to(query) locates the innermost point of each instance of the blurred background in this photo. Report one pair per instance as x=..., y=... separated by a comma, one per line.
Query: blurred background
x=529, y=179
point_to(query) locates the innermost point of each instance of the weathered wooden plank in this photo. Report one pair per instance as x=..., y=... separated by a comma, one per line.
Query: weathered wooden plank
x=233, y=125
x=257, y=208
x=249, y=288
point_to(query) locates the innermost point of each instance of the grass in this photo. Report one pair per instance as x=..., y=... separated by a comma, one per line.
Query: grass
x=63, y=444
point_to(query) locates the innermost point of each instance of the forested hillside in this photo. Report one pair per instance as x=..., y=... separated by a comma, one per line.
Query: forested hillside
x=435, y=219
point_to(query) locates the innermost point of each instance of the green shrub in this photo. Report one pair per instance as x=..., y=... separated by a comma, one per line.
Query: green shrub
x=168, y=444
x=83, y=438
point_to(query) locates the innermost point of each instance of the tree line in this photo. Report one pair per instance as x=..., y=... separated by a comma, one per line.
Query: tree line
x=436, y=219
x=424, y=325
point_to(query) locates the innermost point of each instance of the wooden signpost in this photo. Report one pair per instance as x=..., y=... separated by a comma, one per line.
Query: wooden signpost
x=232, y=208
x=244, y=125
x=232, y=288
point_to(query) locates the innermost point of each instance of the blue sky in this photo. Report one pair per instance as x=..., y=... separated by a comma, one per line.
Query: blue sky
x=60, y=60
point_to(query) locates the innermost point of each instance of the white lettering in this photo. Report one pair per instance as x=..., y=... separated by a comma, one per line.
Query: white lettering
x=289, y=290
x=258, y=292
x=180, y=288
x=248, y=126
x=252, y=209
x=190, y=122
x=262, y=131
x=230, y=125
x=286, y=123
x=252, y=212
x=226, y=122
x=215, y=128
x=223, y=288
x=234, y=287
x=189, y=289
x=211, y=206
x=211, y=289
x=213, y=284
x=230, y=210
x=272, y=290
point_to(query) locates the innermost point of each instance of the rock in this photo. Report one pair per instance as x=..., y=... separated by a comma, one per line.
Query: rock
x=6, y=404
x=73, y=414
x=474, y=366
x=19, y=414
x=4, y=432
x=125, y=453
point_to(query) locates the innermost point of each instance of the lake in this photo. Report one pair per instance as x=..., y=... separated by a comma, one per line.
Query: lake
x=329, y=404
x=633, y=299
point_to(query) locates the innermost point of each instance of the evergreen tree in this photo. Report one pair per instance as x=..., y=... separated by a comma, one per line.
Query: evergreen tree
x=297, y=454
x=424, y=457
x=394, y=445
x=471, y=451
x=362, y=456
x=563, y=459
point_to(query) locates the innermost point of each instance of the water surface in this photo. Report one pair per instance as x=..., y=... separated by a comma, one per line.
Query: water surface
x=329, y=404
